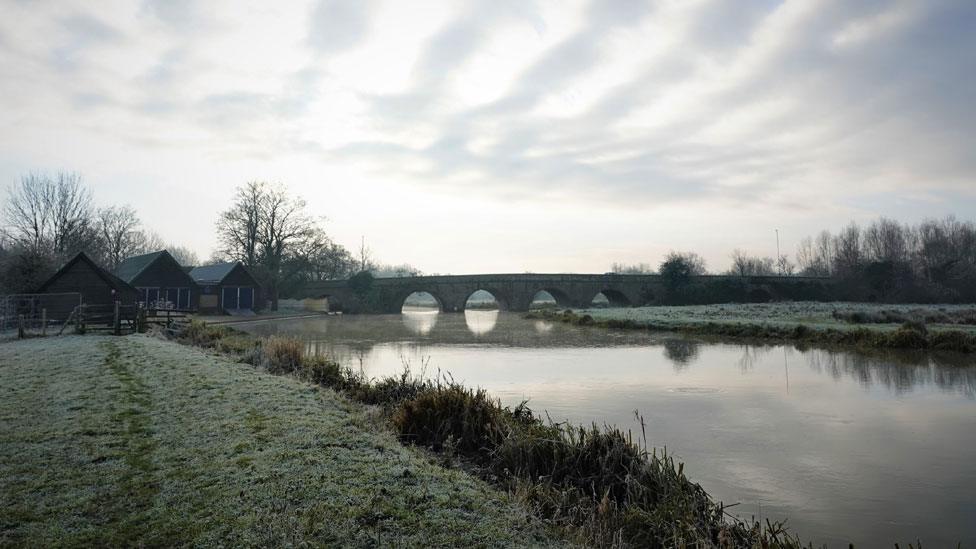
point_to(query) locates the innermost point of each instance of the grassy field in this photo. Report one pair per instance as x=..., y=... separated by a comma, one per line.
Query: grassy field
x=837, y=315
x=137, y=441
x=943, y=328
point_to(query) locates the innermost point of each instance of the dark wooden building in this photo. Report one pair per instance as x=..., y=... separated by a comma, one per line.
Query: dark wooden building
x=227, y=287
x=161, y=281
x=95, y=285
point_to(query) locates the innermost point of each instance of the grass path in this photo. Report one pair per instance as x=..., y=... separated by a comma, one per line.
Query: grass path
x=137, y=441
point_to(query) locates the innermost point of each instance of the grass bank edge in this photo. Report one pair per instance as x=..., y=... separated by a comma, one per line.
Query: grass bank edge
x=599, y=486
x=911, y=335
x=169, y=445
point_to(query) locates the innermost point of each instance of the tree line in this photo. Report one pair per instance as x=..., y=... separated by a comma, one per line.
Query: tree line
x=934, y=260
x=47, y=220
x=272, y=233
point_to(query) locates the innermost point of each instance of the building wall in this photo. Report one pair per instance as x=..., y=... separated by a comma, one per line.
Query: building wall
x=82, y=278
x=239, y=277
x=165, y=273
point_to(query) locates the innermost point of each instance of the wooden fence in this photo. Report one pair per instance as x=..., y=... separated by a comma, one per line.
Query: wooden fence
x=36, y=312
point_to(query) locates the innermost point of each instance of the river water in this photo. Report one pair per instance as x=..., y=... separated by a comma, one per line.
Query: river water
x=870, y=449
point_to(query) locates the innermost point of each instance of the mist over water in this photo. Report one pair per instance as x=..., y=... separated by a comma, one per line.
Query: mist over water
x=870, y=449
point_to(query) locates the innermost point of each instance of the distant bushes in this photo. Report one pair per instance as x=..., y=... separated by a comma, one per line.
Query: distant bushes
x=729, y=289
x=886, y=316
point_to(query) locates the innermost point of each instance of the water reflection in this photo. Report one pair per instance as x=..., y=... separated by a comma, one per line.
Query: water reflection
x=481, y=322
x=845, y=445
x=420, y=321
x=681, y=352
x=542, y=326
x=752, y=354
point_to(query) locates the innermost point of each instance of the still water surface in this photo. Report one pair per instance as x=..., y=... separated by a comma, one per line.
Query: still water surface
x=847, y=447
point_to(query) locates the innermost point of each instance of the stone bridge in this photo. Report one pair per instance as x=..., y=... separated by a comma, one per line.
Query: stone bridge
x=515, y=292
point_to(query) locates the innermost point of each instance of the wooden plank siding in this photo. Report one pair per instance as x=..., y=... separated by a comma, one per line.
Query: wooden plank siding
x=162, y=279
x=96, y=285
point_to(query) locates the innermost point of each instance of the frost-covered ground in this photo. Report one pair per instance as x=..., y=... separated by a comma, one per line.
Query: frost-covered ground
x=789, y=314
x=109, y=441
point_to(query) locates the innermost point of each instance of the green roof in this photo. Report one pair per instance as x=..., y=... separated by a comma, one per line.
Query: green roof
x=213, y=274
x=132, y=267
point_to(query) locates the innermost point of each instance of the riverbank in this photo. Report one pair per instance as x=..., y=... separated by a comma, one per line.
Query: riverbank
x=598, y=486
x=111, y=441
x=857, y=325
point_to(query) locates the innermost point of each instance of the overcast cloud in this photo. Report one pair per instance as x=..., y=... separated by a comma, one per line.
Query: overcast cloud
x=505, y=135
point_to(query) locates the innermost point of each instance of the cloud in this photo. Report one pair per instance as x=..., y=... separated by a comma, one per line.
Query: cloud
x=784, y=103
x=336, y=25
x=81, y=31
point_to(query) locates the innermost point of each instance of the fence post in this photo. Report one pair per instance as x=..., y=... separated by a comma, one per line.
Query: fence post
x=20, y=326
x=117, y=323
x=44, y=321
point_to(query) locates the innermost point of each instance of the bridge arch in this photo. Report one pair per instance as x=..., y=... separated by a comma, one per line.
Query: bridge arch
x=562, y=298
x=478, y=299
x=420, y=299
x=615, y=298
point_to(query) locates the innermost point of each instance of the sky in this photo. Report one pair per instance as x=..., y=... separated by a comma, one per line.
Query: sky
x=504, y=136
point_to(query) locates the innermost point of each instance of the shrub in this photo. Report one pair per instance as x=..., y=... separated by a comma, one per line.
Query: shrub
x=470, y=420
x=201, y=334
x=282, y=355
x=801, y=331
x=916, y=325
x=243, y=346
x=907, y=338
x=322, y=371
x=390, y=391
x=953, y=340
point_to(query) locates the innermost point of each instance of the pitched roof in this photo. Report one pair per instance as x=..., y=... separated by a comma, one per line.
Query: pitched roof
x=132, y=267
x=213, y=274
x=107, y=277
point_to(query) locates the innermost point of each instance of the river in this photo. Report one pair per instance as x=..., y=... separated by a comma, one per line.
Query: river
x=870, y=449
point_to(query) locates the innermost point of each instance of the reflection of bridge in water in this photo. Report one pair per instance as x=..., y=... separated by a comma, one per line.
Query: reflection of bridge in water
x=516, y=292
x=352, y=339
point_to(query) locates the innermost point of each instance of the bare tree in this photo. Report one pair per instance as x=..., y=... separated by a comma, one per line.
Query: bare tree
x=118, y=228
x=745, y=265
x=884, y=240
x=267, y=229
x=183, y=255
x=848, y=256
x=71, y=212
x=806, y=258
x=825, y=252
x=148, y=242
x=26, y=211
x=402, y=270
x=636, y=268
x=785, y=266
x=53, y=214
x=239, y=226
